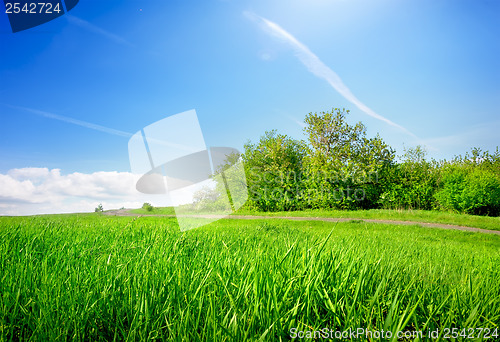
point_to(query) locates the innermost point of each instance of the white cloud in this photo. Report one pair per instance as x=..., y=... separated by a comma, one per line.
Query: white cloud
x=33, y=173
x=318, y=68
x=29, y=191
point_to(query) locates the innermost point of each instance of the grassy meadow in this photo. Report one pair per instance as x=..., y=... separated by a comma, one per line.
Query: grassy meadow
x=92, y=277
x=430, y=216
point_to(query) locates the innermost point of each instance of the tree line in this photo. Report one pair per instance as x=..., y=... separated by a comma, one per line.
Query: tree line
x=338, y=166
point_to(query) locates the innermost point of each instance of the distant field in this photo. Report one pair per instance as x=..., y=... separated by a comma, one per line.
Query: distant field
x=483, y=222
x=95, y=277
x=155, y=211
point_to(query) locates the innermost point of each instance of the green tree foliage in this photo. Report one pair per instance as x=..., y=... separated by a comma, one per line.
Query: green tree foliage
x=210, y=199
x=412, y=183
x=234, y=180
x=274, y=172
x=147, y=207
x=99, y=208
x=338, y=166
x=482, y=159
x=344, y=166
x=471, y=184
x=230, y=190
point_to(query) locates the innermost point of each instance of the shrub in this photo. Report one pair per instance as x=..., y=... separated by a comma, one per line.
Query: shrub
x=470, y=190
x=147, y=207
x=273, y=170
x=345, y=160
x=411, y=184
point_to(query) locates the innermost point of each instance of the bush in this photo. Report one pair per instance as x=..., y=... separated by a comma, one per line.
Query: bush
x=343, y=165
x=147, y=207
x=470, y=190
x=210, y=199
x=274, y=172
x=411, y=184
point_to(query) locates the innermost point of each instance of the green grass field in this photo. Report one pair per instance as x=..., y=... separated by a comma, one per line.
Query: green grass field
x=155, y=211
x=101, y=278
x=475, y=221
x=484, y=222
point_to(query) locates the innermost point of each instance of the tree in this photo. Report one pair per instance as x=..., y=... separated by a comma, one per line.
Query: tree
x=471, y=184
x=344, y=166
x=274, y=172
x=229, y=190
x=147, y=206
x=99, y=208
x=330, y=136
x=412, y=183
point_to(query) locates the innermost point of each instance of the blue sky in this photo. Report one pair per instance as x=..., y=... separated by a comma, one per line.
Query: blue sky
x=427, y=69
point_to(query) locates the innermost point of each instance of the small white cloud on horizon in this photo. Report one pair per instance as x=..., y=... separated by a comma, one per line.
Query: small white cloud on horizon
x=318, y=68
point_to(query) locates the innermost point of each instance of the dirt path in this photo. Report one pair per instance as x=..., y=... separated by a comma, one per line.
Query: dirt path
x=125, y=212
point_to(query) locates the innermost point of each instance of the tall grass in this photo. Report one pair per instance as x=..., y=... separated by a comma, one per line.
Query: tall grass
x=91, y=278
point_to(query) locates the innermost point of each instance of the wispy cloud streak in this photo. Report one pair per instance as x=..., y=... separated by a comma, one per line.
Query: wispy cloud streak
x=112, y=131
x=74, y=121
x=318, y=68
x=298, y=122
x=95, y=29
